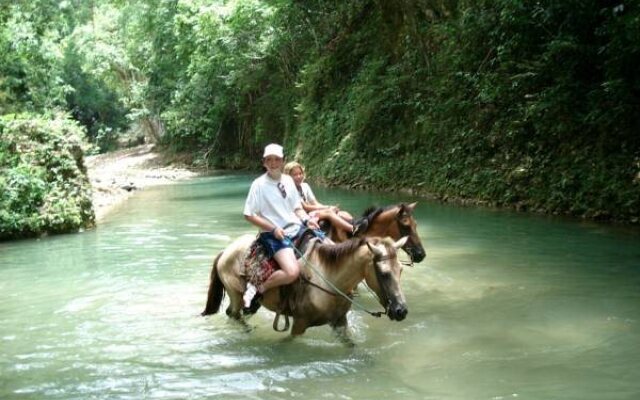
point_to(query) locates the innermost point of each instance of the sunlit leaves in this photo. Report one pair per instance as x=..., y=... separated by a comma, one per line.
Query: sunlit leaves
x=43, y=186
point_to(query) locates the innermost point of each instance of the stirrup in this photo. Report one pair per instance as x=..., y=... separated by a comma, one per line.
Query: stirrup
x=276, y=323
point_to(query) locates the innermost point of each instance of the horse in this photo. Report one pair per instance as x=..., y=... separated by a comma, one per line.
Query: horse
x=394, y=221
x=335, y=269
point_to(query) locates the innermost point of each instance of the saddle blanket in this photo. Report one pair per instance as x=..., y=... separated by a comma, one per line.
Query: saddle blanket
x=258, y=266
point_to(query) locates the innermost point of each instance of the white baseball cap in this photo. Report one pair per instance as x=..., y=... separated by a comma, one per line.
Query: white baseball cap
x=273, y=150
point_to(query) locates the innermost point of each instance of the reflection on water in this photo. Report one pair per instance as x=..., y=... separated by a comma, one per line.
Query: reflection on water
x=505, y=306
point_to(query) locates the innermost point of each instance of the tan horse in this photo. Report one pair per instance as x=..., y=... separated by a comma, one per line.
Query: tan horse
x=394, y=221
x=335, y=266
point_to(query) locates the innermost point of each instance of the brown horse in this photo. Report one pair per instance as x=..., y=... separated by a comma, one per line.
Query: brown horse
x=394, y=221
x=329, y=269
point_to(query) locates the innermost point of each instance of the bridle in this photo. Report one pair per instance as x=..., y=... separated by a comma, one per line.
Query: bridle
x=334, y=291
x=381, y=281
x=405, y=230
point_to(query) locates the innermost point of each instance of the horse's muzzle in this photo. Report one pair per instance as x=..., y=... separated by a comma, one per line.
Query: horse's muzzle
x=397, y=312
x=417, y=254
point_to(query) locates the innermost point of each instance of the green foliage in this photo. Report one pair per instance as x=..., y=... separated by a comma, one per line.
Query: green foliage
x=92, y=102
x=30, y=34
x=50, y=61
x=530, y=105
x=43, y=182
x=507, y=102
x=217, y=101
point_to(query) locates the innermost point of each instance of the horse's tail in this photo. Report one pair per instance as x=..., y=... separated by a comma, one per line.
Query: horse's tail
x=216, y=290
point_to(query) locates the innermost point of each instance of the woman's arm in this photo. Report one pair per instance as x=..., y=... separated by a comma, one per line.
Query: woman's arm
x=314, y=206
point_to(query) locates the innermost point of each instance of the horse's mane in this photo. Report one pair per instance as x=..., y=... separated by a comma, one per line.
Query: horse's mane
x=370, y=214
x=332, y=255
x=373, y=211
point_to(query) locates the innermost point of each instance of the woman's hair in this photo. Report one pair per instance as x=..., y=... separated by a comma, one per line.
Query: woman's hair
x=291, y=165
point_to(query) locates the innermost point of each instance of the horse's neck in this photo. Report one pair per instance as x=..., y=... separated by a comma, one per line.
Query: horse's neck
x=382, y=229
x=379, y=230
x=337, y=235
x=381, y=225
x=351, y=272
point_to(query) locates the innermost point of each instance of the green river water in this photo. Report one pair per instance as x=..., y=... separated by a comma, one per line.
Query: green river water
x=505, y=306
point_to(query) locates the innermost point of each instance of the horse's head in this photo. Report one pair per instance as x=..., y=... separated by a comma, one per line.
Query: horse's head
x=407, y=227
x=383, y=277
x=397, y=222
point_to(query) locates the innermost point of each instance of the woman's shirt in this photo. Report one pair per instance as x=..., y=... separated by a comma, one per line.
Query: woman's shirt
x=306, y=193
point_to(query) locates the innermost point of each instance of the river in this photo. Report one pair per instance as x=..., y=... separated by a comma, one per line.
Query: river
x=505, y=306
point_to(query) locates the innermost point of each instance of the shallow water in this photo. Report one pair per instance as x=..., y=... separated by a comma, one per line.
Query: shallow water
x=505, y=306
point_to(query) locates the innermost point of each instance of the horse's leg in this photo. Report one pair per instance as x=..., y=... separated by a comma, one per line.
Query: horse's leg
x=235, y=305
x=234, y=310
x=299, y=326
x=340, y=329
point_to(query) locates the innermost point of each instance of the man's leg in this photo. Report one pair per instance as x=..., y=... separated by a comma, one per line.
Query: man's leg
x=288, y=272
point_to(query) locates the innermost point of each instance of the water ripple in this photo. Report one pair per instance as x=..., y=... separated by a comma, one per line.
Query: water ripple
x=503, y=305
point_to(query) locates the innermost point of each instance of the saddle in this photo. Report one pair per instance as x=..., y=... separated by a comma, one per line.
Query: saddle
x=258, y=266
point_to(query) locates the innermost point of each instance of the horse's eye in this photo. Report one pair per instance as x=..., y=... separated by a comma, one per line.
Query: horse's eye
x=386, y=275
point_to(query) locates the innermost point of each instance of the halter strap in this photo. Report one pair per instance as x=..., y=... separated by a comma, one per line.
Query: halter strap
x=405, y=231
x=386, y=257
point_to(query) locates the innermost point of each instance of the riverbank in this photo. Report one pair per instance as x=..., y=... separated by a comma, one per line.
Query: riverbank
x=117, y=175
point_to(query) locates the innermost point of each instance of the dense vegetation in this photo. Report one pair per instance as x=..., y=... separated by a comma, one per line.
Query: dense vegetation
x=43, y=187
x=526, y=104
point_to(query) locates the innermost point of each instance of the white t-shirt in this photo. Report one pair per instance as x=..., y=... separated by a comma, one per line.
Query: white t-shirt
x=307, y=193
x=266, y=200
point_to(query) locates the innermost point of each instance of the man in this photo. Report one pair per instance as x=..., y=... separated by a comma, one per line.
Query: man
x=272, y=204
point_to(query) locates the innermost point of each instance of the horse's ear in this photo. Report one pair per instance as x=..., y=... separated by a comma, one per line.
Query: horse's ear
x=412, y=206
x=401, y=242
x=374, y=249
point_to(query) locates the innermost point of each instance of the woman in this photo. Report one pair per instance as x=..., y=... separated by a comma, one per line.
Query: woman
x=318, y=211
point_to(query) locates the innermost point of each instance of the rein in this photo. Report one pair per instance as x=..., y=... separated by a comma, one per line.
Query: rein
x=337, y=292
x=315, y=285
x=309, y=282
